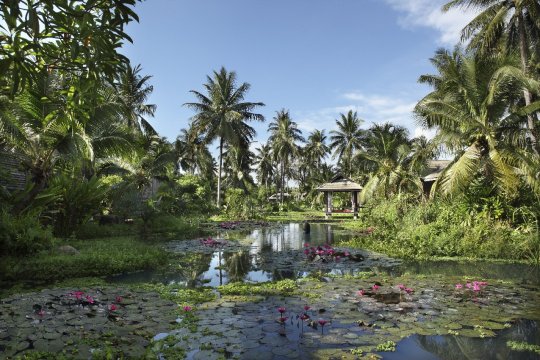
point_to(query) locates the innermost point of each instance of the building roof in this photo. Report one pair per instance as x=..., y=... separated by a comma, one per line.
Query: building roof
x=434, y=169
x=340, y=184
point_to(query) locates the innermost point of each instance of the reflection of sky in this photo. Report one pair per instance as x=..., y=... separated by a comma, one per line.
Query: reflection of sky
x=289, y=237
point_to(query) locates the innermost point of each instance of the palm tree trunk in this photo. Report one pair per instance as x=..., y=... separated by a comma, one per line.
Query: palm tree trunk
x=523, y=52
x=282, y=180
x=218, y=202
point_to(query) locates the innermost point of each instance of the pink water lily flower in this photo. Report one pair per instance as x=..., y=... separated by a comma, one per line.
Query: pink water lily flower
x=77, y=294
x=322, y=322
x=112, y=307
x=401, y=287
x=283, y=319
x=89, y=299
x=119, y=299
x=281, y=309
x=375, y=287
x=459, y=286
x=307, y=307
x=360, y=292
x=187, y=308
x=409, y=290
x=41, y=313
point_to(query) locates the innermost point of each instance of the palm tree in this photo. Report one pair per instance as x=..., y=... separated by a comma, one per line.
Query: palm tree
x=192, y=152
x=265, y=165
x=316, y=148
x=470, y=105
x=346, y=140
x=222, y=114
x=387, y=159
x=284, y=134
x=45, y=134
x=238, y=161
x=133, y=92
x=514, y=22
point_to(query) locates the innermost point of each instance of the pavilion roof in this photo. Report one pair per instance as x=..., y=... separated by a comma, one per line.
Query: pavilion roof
x=434, y=169
x=340, y=184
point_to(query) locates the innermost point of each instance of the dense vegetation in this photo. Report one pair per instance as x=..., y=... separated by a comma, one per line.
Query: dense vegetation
x=74, y=119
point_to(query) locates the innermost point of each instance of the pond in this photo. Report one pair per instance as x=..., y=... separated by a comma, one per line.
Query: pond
x=343, y=305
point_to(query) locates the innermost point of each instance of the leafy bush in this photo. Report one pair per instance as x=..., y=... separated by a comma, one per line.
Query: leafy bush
x=23, y=234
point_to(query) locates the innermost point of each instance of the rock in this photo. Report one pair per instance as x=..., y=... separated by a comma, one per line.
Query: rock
x=68, y=250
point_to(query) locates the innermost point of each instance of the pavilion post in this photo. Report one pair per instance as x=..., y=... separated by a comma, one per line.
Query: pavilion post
x=328, y=204
x=355, y=204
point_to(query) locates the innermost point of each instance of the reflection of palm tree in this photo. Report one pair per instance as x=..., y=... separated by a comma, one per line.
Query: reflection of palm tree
x=192, y=266
x=238, y=265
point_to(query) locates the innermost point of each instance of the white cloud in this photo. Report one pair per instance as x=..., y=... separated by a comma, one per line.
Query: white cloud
x=373, y=108
x=428, y=13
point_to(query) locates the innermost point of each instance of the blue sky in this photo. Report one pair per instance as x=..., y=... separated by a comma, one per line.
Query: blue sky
x=316, y=58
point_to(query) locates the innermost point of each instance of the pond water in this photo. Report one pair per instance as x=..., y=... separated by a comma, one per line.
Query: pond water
x=271, y=253
x=436, y=321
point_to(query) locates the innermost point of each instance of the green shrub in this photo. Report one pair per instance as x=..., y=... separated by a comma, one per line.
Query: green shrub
x=23, y=235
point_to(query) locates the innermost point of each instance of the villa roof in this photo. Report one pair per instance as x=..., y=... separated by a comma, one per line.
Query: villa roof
x=340, y=184
x=434, y=169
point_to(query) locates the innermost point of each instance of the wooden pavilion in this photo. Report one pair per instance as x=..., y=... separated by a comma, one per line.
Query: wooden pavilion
x=340, y=184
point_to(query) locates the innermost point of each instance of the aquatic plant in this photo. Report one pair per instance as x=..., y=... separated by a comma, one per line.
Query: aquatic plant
x=387, y=346
x=187, y=308
x=523, y=346
x=322, y=322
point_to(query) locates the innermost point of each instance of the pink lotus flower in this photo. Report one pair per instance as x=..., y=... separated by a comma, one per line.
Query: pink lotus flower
x=112, y=307
x=41, y=313
x=187, y=308
x=282, y=319
x=306, y=245
x=360, y=292
x=281, y=309
x=409, y=290
x=468, y=285
x=306, y=251
x=401, y=287
x=459, y=286
x=476, y=287
x=90, y=299
x=346, y=253
x=77, y=294
x=119, y=299
x=375, y=287
x=322, y=322
x=307, y=307
x=304, y=316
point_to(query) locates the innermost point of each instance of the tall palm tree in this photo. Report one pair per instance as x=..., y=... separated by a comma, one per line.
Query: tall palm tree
x=284, y=135
x=238, y=161
x=222, y=114
x=470, y=105
x=387, y=159
x=346, y=140
x=192, y=152
x=265, y=165
x=316, y=148
x=514, y=22
x=133, y=92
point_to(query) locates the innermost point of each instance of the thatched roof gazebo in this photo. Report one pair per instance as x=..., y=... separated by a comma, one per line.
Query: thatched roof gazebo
x=340, y=184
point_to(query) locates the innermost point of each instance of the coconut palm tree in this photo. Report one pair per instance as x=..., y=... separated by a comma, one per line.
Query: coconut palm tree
x=387, y=158
x=222, y=114
x=265, y=165
x=45, y=133
x=515, y=23
x=470, y=105
x=346, y=140
x=192, y=152
x=316, y=149
x=133, y=92
x=284, y=135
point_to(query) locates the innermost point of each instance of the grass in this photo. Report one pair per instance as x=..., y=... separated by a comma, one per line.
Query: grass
x=97, y=257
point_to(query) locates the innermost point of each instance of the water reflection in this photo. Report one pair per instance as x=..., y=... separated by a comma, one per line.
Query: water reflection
x=457, y=347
